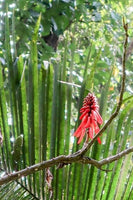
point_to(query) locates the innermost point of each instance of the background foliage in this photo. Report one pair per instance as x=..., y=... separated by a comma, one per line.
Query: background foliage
x=49, y=62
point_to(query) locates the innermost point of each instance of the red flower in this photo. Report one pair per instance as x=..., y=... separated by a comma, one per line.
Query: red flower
x=90, y=119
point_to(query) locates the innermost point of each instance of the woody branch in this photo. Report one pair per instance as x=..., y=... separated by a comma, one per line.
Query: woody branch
x=63, y=159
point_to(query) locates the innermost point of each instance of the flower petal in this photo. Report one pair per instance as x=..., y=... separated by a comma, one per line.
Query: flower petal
x=81, y=136
x=77, y=133
x=84, y=108
x=94, y=116
x=84, y=113
x=87, y=123
x=91, y=133
x=96, y=127
x=99, y=141
x=99, y=118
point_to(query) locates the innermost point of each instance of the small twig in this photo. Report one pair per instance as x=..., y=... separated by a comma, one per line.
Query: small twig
x=27, y=190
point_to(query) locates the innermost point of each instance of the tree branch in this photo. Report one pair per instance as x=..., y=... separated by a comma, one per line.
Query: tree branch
x=115, y=157
x=78, y=157
x=65, y=160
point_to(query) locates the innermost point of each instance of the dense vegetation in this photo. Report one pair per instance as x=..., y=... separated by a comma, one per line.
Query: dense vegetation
x=52, y=53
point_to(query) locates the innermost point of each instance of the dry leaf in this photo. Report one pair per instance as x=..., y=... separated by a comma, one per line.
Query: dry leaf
x=49, y=178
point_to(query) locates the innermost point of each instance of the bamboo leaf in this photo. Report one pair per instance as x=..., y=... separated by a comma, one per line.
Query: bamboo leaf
x=33, y=101
x=112, y=177
x=4, y=124
x=22, y=107
x=125, y=168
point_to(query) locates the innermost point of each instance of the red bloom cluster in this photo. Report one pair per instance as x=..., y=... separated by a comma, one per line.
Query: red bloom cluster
x=90, y=119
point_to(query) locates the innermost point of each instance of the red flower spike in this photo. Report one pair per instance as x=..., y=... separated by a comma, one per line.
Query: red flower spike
x=90, y=119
